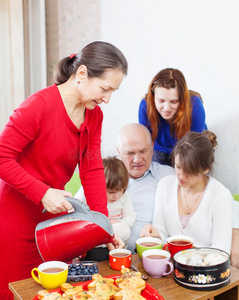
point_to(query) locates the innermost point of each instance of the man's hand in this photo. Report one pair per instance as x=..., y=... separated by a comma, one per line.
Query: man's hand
x=235, y=248
x=54, y=201
x=149, y=230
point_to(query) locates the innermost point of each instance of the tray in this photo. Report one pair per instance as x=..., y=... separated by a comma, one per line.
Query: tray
x=149, y=293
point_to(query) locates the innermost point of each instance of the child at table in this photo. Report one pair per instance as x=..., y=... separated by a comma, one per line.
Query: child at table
x=120, y=208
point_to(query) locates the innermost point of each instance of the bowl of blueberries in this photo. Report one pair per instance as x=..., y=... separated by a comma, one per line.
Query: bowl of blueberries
x=82, y=271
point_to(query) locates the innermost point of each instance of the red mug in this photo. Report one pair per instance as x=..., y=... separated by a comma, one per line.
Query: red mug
x=178, y=243
x=120, y=258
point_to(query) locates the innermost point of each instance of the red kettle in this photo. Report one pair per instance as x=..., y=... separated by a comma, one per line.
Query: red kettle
x=68, y=236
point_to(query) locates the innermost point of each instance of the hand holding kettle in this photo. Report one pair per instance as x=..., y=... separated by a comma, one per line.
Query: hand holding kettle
x=54, y=201
x=65, y=237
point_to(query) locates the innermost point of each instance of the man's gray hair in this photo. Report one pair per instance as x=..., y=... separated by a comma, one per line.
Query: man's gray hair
x=137, y=128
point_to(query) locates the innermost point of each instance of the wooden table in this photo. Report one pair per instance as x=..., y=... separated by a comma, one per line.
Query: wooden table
x=166, y=286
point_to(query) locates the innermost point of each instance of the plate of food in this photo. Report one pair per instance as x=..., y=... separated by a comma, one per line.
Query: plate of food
x=129, y=286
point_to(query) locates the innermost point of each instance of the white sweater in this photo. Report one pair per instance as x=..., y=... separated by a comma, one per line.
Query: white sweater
x=211, y=223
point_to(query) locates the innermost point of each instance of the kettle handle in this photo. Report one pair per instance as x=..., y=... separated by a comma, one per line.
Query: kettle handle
x=77, y=204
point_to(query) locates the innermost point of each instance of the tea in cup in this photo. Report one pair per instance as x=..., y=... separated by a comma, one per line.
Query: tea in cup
x=178, y=243
x=51, y=274
x=120, y=258
x=147, y=243
x=156, y=262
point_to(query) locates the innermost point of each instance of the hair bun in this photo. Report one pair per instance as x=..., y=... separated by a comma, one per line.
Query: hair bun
x=211, y=136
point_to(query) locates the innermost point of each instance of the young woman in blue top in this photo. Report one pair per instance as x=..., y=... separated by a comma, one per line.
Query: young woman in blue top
x=169, y=111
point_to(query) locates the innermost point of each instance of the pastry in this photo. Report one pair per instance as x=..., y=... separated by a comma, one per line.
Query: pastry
x=51, y=296
x=126, y=274
x=98, y=278
x=66, y=286
x=100, y=297
x=72, y=291
x=136, y=283
x=42, y=293
x=103, y=288
x=81, y=296
x=128, y=294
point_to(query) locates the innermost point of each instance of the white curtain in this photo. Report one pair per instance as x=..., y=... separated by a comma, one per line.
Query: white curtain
x=5, y=81
x=22, y=53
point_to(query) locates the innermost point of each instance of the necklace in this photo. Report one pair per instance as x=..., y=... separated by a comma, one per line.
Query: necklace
x=184, y=198
x=190, y=208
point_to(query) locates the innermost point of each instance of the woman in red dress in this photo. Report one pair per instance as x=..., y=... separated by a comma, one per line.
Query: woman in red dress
x=46, y=137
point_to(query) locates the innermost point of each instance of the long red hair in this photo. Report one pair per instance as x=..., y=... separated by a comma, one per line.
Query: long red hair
x=181, y=123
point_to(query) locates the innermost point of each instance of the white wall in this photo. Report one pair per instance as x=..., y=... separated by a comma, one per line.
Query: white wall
x=198, y=37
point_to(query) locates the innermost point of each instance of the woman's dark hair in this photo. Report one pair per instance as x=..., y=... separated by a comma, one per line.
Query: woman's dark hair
x=196, y=151
x=96, y=56
x=116, y=174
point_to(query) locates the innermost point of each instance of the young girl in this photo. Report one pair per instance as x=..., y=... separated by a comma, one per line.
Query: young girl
x=169, y=111
x=120, y=208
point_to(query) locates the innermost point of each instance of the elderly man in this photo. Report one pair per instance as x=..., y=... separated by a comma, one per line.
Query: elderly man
x=135, y=148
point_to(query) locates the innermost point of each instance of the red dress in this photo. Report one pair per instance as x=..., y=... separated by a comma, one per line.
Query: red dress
x=40, y=148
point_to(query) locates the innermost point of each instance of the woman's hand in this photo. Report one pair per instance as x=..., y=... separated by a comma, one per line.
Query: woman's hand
x=149, y=230
x=117, y=244
x=54, y=201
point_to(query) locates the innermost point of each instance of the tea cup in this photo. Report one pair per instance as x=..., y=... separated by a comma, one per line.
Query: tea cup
x=50, y=274
x=178, y=243
x=146, y=243
x=120, y=258
x=156, y=262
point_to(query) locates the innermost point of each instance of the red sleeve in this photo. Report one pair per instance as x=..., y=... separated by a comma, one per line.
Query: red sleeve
x=92, y=170
x=20, y=131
